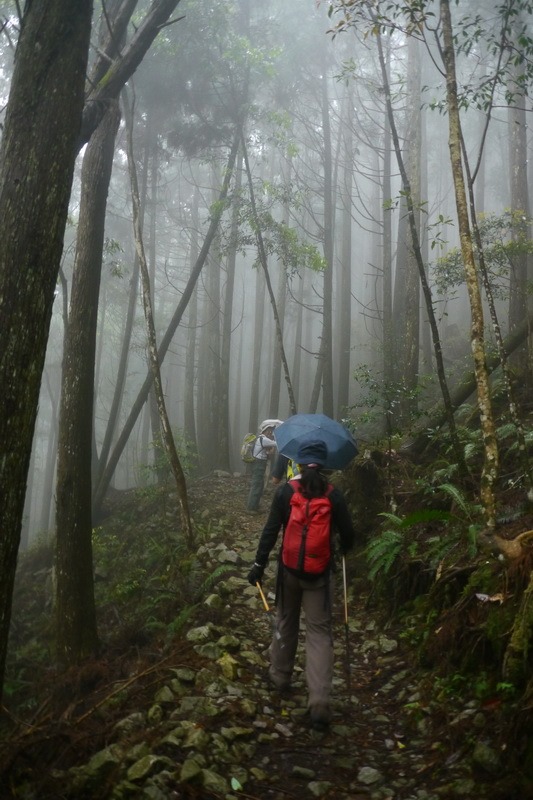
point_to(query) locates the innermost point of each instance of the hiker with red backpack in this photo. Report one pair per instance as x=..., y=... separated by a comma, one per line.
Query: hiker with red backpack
x=307, y=508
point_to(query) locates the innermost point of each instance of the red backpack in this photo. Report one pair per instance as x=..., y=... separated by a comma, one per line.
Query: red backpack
x=306, y=548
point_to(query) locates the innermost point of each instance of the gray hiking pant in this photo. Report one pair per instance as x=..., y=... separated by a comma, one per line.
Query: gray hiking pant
x=311, y=596
x=257, y=484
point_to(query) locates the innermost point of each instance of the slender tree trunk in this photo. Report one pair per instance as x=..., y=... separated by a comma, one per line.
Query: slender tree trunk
x=224, y=424
x=490, y=465
x=75, y=610
x=166, y=431
x=51, y=456
x=255, y=367
x=345, y=294
x=281, y=302
x=411, y=333
x=208, y=402
x=167, y=338
x=324, y=377
x=263, y=261
x=189, y=423
x=388, y=350
x=518, y=173
x=439, y=417
x=421, y=268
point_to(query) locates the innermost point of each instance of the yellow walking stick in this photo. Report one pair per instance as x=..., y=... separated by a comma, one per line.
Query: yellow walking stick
x=347, y=661
x=263, y=598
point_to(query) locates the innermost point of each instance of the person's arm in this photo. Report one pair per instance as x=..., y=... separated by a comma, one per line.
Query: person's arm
x=277, y=518
x=279, y=469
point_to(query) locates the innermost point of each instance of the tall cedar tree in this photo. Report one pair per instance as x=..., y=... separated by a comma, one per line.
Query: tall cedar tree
x=36, y=167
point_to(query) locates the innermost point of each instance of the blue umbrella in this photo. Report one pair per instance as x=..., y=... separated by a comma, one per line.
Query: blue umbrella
x=303, y=428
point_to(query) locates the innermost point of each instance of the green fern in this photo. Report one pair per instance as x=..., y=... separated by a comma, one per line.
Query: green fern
x=467, y=508
x=383, y=551
x=212, y=578
x=177, y=624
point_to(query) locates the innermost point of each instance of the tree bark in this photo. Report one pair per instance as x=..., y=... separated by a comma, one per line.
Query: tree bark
x=75, y=609
x=166, y=431
x=421, y=268
x=490, y=465
x=36, y=166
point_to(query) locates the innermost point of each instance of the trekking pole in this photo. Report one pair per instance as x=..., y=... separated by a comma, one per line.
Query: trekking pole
x=263, y=598
x=346, y=622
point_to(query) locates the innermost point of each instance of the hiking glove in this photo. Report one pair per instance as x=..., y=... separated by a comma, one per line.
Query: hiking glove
x=255, y=574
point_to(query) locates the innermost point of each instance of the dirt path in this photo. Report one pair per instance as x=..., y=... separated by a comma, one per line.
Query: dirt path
x=392, y=736
x=194, y=718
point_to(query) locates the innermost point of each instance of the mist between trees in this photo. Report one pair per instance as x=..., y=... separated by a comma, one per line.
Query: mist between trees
x=323, y=189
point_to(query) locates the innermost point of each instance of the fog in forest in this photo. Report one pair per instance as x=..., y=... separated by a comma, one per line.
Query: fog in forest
x=312, y=249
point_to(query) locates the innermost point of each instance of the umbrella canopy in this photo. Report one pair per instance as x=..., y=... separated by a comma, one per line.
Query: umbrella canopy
x=303, y=428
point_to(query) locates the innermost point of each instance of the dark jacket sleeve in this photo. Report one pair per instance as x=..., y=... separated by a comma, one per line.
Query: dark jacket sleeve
x=342, y=521
x=277, y=519
x=279, y=468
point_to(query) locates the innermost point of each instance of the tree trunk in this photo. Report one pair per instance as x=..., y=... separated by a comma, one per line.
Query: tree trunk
x=517, y=658
x=110, y=72
x=189, y=423
x=345, y=293
x=75, y=609
x=324, y=376
x=36, y=167
x=166, y=431
x=388, y=348
x=107, y=474
x=421, y=268
x=263, y=261
x=439, y=417
x=490, y=465
x=224, y=424
x=518, y=173
x=281, y=302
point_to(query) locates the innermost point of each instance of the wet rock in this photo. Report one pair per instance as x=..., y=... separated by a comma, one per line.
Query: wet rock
x=214, y=782
x=229, y=642
x=147, y=766
x=487, y=758
x=131, y=723
x=213, y=601
x=368, y=776
x=165, y=695
x=236, y=733
x=319, y=788
x=192, y=768
x=302, y=772
x=202, y=633
x=229, y=666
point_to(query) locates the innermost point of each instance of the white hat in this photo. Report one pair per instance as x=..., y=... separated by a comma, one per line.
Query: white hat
x=269, y=423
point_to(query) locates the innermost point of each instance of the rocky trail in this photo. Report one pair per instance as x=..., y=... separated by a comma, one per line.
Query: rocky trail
x=199, y=720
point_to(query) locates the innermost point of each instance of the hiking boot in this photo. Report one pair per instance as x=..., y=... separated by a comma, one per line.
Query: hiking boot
x=320, y=717
x=283, y=687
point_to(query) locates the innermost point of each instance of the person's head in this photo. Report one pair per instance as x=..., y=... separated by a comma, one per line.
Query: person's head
x=268, y=426
x=311, y=457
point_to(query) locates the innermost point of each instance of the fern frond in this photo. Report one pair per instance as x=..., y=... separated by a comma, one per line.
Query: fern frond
x=213, y=577
x=383, y=551
x=456, y=495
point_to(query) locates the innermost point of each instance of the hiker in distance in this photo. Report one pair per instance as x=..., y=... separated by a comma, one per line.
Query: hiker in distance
x=264, y=447
x=311, y=506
